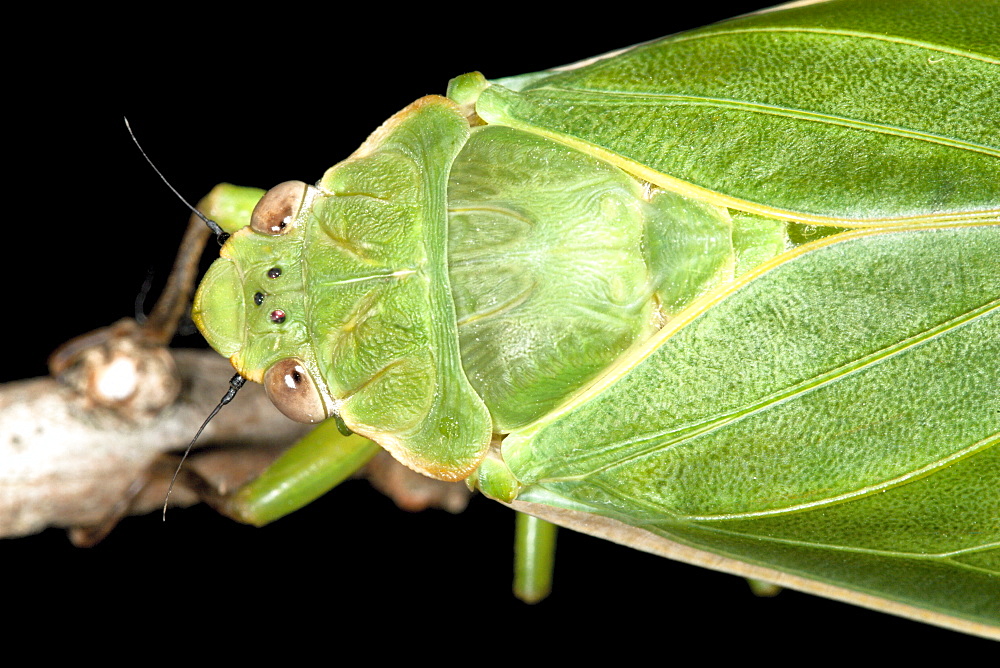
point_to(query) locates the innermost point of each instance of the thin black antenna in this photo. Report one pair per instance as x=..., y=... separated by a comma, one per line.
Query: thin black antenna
x=220, y=234
x=235, y=383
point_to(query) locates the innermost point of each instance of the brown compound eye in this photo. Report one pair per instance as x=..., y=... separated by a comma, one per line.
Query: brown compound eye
x=292, y=390
x=276, y=210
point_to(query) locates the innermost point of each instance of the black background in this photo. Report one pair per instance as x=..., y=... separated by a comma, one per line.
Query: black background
x=256, y=100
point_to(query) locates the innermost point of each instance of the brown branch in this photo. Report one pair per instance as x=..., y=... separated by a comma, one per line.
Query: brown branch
x=70, y=451
x=65, y=460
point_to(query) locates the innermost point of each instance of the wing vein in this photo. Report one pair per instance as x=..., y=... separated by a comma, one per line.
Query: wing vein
x=793, y=113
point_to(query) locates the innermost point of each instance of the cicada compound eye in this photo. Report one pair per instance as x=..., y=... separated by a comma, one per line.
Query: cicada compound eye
x=276, y=210
x=291, y=389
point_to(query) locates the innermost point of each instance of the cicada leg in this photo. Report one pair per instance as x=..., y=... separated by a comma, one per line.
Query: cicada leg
x=309, y=469
x=534, y=557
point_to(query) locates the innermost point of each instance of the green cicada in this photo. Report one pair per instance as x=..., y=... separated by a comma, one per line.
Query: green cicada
x=730, y=296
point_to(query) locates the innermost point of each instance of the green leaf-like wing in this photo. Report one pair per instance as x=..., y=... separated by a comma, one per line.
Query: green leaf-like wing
x=834, y=415
x=843, y=111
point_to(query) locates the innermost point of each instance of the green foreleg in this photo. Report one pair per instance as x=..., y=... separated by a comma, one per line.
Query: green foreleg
x=311, y=468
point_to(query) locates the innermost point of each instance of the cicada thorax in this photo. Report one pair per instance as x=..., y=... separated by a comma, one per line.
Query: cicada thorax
x=447, y=282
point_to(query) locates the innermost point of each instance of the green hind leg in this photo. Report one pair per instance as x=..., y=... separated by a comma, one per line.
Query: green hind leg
x=534, y=558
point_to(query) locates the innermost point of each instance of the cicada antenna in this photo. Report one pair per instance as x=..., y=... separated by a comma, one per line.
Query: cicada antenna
x=220, y=234
x=235, y=383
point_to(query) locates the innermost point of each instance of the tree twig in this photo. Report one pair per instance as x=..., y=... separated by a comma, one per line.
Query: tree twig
x=65, y=461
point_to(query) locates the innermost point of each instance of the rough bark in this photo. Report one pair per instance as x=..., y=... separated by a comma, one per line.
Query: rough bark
x=66, y=460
